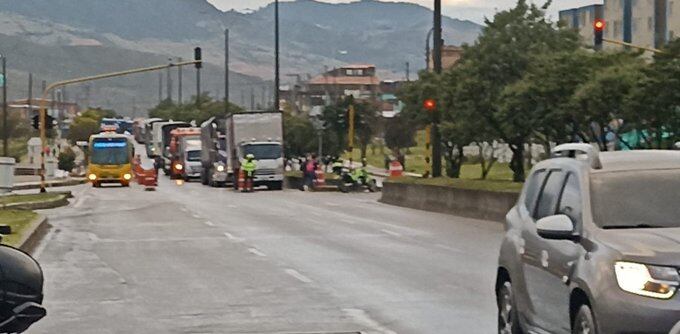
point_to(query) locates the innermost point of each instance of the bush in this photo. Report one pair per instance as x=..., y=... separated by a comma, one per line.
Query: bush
x=66, y=160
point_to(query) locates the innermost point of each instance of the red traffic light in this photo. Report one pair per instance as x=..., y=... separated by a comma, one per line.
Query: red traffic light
x=599, y=24
x=430, y=104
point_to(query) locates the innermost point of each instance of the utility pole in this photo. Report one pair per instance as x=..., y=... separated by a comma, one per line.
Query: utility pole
x=277, y=79
x=226, y=70
x=160, y=87
x=252, y=98
x=5, y=130
x=179, y=81
x=437, y=62
x=30, y=94
x=169, y=82
x=408, y=71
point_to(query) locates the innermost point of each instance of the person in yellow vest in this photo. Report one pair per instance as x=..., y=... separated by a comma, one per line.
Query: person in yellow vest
x=249, y=167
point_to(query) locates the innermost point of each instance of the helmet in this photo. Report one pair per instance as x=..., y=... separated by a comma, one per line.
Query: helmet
x=250, y=156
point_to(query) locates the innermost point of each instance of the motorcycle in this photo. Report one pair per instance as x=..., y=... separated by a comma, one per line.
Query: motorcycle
x=356, y=180
x=21, y=285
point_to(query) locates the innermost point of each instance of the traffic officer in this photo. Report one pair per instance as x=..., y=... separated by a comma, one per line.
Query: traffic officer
x=337, y=166
x=249, y=167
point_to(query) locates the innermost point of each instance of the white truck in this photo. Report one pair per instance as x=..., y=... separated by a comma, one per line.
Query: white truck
x=190, y=157
x=214, y=153
x=259, y=133
x=160, y=140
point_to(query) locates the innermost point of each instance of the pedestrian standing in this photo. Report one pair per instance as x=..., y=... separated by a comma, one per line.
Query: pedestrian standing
x=309, y=172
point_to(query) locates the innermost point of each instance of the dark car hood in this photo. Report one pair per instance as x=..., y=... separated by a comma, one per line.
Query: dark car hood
x=649, y=245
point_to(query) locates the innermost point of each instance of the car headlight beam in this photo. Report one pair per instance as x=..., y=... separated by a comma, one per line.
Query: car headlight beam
x=92, y=177
x=220, y=168
x=127, y=177
x=647, y=280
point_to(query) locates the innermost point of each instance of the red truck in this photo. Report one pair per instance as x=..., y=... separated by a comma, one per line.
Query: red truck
x=185, y=153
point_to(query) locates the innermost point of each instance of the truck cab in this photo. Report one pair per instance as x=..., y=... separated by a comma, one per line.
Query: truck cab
x=182, y=142
x=269, y=160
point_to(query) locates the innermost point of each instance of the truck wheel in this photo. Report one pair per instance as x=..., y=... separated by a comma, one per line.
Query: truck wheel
x=584, y=322
x=204, y=178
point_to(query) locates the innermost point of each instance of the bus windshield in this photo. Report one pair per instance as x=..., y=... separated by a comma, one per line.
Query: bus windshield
x=109, y=152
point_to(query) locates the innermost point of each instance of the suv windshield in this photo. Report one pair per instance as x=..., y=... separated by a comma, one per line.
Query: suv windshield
x=636, y=199
x=263, y=151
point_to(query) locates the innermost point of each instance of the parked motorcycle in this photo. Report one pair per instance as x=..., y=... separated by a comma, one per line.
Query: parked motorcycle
x=357, y=180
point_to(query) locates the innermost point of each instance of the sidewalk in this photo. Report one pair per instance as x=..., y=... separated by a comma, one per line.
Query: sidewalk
x=22, y=182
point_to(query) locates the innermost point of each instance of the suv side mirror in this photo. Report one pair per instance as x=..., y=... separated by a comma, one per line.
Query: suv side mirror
x=557, y=227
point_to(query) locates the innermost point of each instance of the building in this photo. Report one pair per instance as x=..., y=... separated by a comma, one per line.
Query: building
x=648, y=23
x=58, y=110
x=451, y=54
x=359, y=81
x=582, y=19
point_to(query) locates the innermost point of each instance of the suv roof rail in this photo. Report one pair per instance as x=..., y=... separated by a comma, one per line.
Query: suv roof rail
x=591, y=152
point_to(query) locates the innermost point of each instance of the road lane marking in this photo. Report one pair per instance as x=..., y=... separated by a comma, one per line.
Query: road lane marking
x=232, y=237
x=209, y=223
x=195, y=215
x=448, y=248
x=361, y=317
x=348, y=221
x=256, y=252
x=300, y=277
x=392, y=233
x=183, y=209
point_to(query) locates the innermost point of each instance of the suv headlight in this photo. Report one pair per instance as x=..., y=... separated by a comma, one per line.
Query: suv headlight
x=220, y=168
x=646, y=280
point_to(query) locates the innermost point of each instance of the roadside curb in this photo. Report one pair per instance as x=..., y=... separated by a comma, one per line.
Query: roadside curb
x=50, y=184
x=51, y=204
x=34, y=234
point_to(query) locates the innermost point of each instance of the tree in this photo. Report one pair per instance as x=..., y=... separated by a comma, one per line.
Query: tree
x=399, y=133
x=82, y=128
x=300, y=136
x=653, y=106
x=500, y=58
x=66, y=160
x=199, y=111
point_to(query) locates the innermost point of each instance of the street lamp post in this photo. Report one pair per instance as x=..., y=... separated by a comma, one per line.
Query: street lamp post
x=226, y=70
x=179, y=82
x=277, y=79
x=437, y=63
x=5, y=133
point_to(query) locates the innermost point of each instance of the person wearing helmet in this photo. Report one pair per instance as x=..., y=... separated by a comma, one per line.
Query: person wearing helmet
x=338, y=164
x=249, y=167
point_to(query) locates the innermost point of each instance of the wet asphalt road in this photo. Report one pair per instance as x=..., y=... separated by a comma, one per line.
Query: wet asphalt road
x=193, y=259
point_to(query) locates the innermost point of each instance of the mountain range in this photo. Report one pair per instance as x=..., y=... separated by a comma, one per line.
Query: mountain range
x=59, y=39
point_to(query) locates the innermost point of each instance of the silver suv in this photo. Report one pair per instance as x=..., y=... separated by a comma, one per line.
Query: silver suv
x=593, y=245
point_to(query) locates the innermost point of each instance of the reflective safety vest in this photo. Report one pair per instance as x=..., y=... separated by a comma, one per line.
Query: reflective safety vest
x=249, y=167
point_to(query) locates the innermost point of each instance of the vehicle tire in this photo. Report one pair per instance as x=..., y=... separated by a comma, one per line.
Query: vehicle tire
x=275, y=186
x=204, y=178
x=508, y=320
x=584, y=321
x=373, y=186
x=125, y=184
x=95, y=184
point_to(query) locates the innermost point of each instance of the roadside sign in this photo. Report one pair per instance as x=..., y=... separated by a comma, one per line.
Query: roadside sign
x=2, y=80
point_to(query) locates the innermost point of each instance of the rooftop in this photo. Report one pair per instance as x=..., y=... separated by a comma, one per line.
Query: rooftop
x=344, y=80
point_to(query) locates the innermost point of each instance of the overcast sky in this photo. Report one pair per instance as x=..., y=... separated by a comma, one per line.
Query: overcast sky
x=474, y=10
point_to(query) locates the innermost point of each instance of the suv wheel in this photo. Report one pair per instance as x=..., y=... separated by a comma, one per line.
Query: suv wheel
x=584, y=322
x=508, y=323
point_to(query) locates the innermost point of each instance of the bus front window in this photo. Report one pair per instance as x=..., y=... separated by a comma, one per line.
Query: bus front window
x=109, y=153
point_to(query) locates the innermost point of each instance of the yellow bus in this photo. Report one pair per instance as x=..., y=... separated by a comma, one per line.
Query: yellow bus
x=110, y=159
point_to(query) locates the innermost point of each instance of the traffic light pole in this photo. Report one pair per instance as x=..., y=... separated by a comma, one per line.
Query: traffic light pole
x=437, y=62
x=277, y=77
x=50, y=87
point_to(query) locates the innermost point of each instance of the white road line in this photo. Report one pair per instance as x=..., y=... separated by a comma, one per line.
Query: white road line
x=209, y=223
x=361, y=317
x=256, y=252
x=195, y=215
x=392, y=233
x=300, y=277
x=232, y=237
x=448, y=248
x=183, y=209
x=348, y=221
x=232, y=206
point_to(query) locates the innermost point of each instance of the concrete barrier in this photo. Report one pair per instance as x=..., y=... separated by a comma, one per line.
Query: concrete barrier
x=479, y=204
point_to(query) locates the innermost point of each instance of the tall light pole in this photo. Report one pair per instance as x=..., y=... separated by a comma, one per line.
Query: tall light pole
x=427, y=49
x=179, y=82
x=169, y=81
x=437, y=63
x=226, y=70
x=277, y=79
x=5, y=133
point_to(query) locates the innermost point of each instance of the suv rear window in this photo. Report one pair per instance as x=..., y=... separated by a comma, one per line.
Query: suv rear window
x=636, y=199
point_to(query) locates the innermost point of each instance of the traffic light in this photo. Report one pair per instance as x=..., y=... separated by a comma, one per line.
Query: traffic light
x=198, y=57
x=49, y=124
x=430, y=104
x=599, y=26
